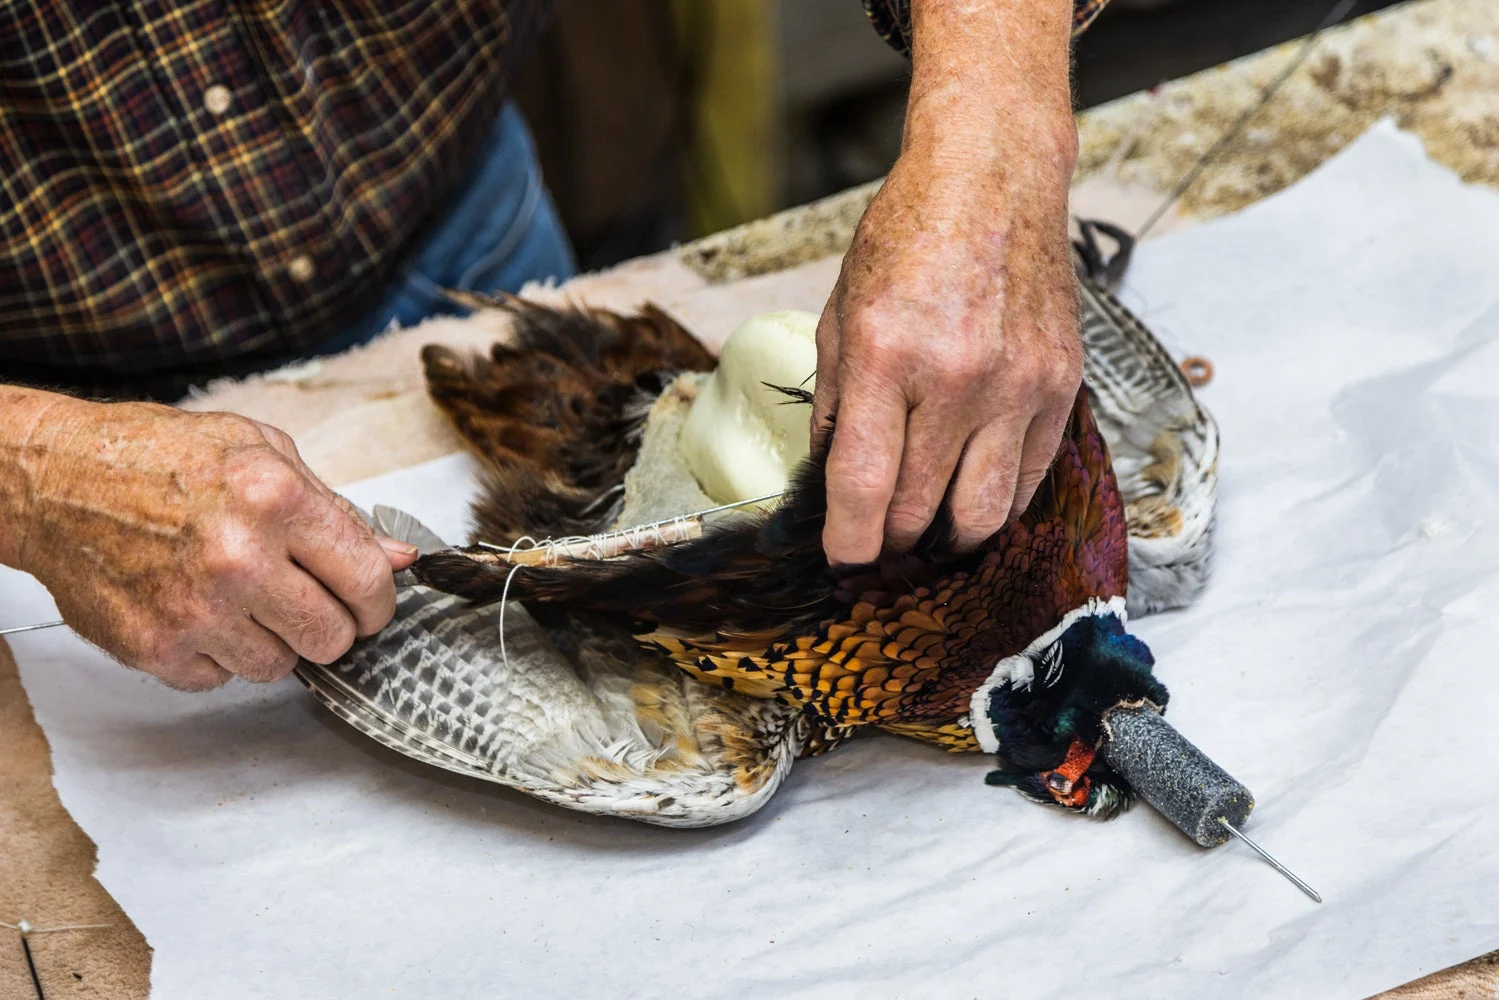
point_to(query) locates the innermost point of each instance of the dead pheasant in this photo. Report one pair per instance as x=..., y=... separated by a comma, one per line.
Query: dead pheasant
x=1017, y=649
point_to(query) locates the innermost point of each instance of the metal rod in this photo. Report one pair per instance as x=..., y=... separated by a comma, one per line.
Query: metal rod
x=36, y=980
x=24, y=928
x=726, y=506
x=29, y=628
x=548, y=550
x=1298, y=883
x=1334, y=16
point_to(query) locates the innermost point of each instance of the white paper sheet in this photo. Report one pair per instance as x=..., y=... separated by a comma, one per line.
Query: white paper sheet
x=1341, y=664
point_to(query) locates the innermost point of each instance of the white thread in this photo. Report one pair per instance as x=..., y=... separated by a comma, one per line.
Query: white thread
x=505, y=603
x=598, y=547
x=601, y=546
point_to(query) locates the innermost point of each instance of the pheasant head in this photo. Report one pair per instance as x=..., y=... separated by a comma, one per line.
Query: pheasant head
x=1041, y=710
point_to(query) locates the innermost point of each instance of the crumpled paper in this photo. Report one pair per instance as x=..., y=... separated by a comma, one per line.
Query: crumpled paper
x=1340, y=664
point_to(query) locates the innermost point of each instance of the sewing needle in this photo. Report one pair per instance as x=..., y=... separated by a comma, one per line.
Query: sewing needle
x=1298, y=883
x=24, y=928
x=29, y=628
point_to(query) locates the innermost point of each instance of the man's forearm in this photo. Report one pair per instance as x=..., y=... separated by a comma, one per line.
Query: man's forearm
x=23, y=414
x=991, y=78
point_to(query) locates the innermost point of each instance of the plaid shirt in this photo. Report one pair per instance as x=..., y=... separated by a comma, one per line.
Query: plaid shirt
x=192, y=187
x=200, y=187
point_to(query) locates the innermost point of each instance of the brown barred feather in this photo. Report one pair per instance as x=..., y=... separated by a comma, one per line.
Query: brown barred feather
x=556, y=413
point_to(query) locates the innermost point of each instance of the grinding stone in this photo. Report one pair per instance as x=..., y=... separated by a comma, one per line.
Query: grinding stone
x=1175, y=777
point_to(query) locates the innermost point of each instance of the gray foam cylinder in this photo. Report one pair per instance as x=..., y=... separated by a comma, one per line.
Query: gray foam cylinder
x=1175, y=777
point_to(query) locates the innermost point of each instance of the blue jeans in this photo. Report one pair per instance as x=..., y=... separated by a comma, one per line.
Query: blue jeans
x=496, y=232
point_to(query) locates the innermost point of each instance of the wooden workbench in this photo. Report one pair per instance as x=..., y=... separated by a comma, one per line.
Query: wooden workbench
x=1431, y=64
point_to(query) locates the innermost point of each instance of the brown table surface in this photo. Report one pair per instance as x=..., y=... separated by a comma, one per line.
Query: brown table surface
x=1431, y=64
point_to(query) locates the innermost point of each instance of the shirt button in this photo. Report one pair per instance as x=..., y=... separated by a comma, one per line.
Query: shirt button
x=217, y=99
x=301, y=268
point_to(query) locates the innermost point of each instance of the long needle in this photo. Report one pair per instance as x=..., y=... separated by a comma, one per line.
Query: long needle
x=29, y=628
x=24, y=928
x=1334, y=16
x=671, y=531
x=1298, y=883
x=36, y=980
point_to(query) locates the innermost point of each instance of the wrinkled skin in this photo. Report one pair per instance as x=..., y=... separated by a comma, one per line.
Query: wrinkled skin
x=194, y=547
x=949, y=348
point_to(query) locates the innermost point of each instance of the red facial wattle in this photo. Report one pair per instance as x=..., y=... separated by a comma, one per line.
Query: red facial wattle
x=1069, y=783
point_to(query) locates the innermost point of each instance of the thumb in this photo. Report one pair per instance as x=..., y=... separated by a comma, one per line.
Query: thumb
x=400, y=554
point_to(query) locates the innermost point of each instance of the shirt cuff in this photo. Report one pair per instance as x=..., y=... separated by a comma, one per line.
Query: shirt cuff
x=892, y=19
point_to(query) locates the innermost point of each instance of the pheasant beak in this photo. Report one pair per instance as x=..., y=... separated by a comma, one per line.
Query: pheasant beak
x=1069, y=783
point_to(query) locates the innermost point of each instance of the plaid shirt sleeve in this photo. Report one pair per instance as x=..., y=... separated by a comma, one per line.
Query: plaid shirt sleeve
x=892, y=19
x=194, y=187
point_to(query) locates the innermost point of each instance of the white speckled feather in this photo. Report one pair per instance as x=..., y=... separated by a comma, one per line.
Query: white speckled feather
x=1164, y=445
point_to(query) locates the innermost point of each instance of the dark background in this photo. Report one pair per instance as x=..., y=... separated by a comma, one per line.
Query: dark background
x=609, y=95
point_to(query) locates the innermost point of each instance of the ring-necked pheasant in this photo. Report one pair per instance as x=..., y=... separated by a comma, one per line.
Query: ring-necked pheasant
x=1017, y=649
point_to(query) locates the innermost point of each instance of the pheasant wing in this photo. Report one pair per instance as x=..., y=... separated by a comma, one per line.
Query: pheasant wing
x=577, y=714
x=1165, y=452
x=603, y=727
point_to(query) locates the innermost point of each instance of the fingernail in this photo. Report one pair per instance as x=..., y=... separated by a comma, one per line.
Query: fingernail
x=396, y=548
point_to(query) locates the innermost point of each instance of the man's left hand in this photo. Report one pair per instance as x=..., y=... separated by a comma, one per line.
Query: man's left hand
x=950, y=346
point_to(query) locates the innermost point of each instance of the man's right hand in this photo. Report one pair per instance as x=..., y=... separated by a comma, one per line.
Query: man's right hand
x=191, y=546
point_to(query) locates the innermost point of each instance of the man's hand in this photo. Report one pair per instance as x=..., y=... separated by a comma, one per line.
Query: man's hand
x=191, y=546
x=950, y=345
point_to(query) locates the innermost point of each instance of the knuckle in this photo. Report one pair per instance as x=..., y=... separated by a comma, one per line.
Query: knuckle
x=850, y=480
x=231, y=427
x=1030, y=378
x=376, y=621
x=231, y=554
x=962, y=370
x=265, y=664
x=906, y=520
x=195, y=679
x=1065, y=372
x=371, y=578
x=370, y=595
x=264, y=483
x=988, y=507
x=877, y=337
x=983, y=516
x=1060, y=393
x=916, y=498
x=1027, y=483
x=328, y=637
x=279, y=439
x=155, y=653
x=281, y=665
x=192, y=673
x=851, y=550
x=200, y=614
